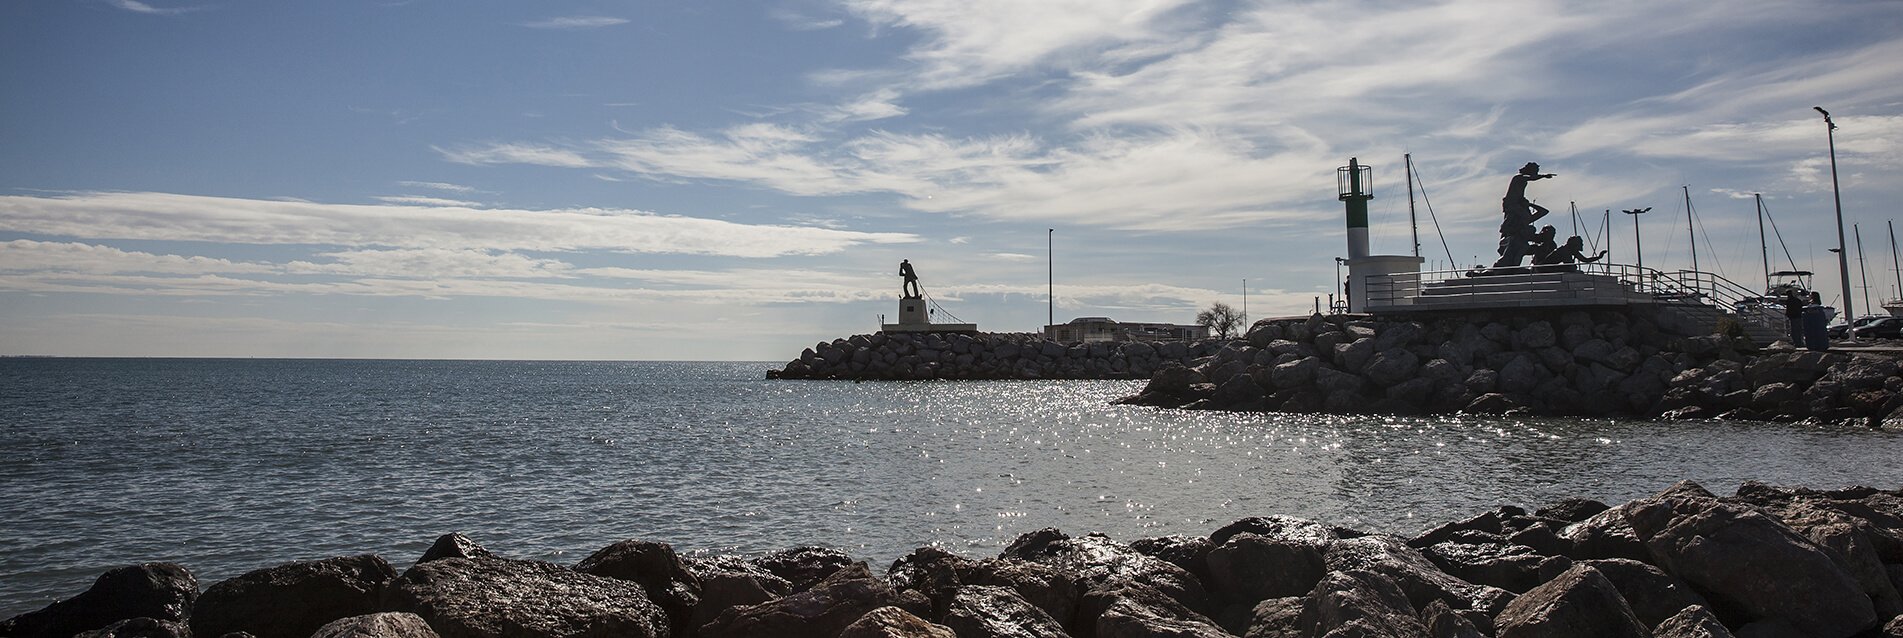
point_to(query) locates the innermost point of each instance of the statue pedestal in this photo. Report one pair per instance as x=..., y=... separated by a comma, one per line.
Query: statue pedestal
x=913, y=317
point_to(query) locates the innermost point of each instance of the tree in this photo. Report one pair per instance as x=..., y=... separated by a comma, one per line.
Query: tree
x=1221, y=318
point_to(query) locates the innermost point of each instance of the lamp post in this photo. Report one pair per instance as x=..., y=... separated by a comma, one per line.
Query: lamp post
x=1050, y=254
x=1638, y=249
x=1843, y=260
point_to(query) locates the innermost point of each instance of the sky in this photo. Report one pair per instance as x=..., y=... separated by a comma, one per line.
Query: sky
x=627, y=179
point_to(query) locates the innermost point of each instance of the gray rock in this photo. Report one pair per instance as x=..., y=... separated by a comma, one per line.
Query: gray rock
x=1483, y=381
x=1446, y=622
x=1749, y=562
x=454, y=545
x=394, y=624
x=658, y=571
x=1536, y=335
x=1653, y=594
x=1295, y=373
x=1096, y=562
x=1276, y=618
x=138, y=628
x=1358, y=603
x=989, y=611
x=1354, y=356
x=1420, y=579
x=1580, y=603
x=1605, y=535
x=160, y=591
x=804, y=566
x=1135, y=610
x=1399, y=334
x=292, y=600
x=1691, y=622
x=1250, y=568
x=1520, y=375
x=893, y=622
x=822, y=611
x=494, y=597
x=1513, y=568
x=1390, y=367
x=731, y=581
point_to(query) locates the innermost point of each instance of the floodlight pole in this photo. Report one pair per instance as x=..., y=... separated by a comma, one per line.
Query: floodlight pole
x=1836, y=193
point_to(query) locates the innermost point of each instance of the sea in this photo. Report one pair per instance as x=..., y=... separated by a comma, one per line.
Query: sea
x=230, y=465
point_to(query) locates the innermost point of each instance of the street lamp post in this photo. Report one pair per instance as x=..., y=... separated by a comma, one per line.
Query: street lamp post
x=1638, y=248
x=1050, y=255
x=1836, y=193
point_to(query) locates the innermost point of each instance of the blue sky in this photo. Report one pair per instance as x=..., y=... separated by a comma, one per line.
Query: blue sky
x=738, y=180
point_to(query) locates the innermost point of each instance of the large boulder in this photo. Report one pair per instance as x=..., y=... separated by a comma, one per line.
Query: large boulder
x=1580, y=603
x=292, y=600
x=160, y=591
x=391, y=624
x=821, y=611
x=493, y=597
x=1515, y=568
x=1095, y=562
x=1249, y=568
x=1276, y=618
x=804, y=566
x=658, y=570
x=990, y=611
x=454, y=545
x=893, y=622
x=1691, y=622
x=1751, y=565
x=1124, y=609
x=732, y=581
x=1358, y=603
x=1653, y=594
x=1421, y=580
x=940, y=576
x=140, y=628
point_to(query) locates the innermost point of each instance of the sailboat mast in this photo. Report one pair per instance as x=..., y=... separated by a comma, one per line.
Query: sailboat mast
x=1688, y=226
x=1413, y=224
x=1863, y=271
x=1764, y=249
x=1894, y=268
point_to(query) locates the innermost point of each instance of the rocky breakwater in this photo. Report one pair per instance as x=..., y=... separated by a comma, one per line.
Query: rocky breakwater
x=1684, y=563
x=898, y=356
x=1636, y=362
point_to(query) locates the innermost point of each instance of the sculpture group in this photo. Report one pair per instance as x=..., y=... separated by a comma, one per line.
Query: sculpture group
x=1518, y=238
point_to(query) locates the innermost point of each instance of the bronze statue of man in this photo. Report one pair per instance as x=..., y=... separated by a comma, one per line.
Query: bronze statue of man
x=910, y=288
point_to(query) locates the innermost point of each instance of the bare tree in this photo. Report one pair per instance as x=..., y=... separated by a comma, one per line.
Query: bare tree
x=1221, y=318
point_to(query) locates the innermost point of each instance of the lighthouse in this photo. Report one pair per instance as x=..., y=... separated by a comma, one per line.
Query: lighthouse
x=1373, y=280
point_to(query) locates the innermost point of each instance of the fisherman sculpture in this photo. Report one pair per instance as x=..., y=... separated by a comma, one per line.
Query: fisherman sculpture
x=1516, y=230
x=909, y=289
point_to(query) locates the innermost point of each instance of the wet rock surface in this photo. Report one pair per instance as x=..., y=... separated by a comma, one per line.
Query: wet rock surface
x=1764, y=561
x=156, y=591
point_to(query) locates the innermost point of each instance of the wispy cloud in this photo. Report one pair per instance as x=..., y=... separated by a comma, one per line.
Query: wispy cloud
x=441, y=186
x=136, y=6
x=417, y=200
x=165, y=216
x=576, y=22
x=537, y=154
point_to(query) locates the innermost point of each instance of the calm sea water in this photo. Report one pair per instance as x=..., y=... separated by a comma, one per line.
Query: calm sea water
x=232, y=465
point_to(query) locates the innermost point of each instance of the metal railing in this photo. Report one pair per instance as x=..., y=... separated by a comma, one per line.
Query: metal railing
x=1635, y=284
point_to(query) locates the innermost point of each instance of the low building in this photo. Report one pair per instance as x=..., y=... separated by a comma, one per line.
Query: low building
x=1089, y=329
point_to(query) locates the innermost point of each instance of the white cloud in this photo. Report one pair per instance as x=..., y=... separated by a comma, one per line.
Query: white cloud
x=164, y=216
x=24, y=256
x=576, y=22
x=971, y=42
x=417, y=200
x=536, y=154
x=136, y=6
x=441, y=186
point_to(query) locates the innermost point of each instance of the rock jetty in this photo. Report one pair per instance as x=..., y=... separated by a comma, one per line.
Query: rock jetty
x=904, y=356
x=1685, y=563
x=1631, y=362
